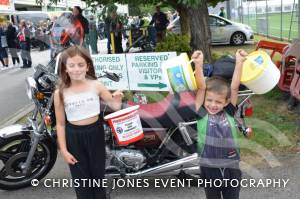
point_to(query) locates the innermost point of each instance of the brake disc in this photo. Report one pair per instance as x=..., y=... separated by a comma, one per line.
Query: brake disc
x=13, y=165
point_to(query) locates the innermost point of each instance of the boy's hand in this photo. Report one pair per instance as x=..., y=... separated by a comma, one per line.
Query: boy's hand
x=197, y=57
x=240, y=56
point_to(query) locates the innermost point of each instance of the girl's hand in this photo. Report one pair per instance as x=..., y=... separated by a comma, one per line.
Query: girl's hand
x=118, y=95
x=69, y=158
x=197, y=57
x=240, y=56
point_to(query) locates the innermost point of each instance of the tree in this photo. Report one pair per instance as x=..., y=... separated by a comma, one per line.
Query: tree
x=196, y=26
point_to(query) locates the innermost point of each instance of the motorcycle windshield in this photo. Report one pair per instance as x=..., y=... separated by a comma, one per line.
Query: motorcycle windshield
x=61, y=25
x=66, y=29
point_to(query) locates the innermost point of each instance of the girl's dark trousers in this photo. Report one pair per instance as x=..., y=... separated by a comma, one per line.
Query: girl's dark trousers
x=86, y=143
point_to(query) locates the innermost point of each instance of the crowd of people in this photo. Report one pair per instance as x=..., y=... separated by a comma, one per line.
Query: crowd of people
x=18, y=39
x=157, y=25
x=21, y=38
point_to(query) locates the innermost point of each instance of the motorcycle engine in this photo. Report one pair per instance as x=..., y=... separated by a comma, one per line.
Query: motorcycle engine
x=130, y=158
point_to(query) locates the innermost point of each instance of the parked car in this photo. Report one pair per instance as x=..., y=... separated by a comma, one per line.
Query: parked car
x=224, y=31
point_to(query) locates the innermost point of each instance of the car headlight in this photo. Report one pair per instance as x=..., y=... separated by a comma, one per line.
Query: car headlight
x=30, y=86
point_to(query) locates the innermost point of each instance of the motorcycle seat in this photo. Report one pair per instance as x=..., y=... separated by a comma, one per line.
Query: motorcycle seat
x=168, y=112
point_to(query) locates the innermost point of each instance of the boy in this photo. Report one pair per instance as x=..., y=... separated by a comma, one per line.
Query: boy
x=217, y=136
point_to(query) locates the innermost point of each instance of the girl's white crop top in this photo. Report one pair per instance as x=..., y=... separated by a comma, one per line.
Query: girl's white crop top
x=81, y=106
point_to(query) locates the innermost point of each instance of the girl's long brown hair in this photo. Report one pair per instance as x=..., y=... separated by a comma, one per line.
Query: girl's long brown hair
x=64, y=80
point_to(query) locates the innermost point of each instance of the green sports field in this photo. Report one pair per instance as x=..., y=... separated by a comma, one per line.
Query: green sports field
x=274, y=24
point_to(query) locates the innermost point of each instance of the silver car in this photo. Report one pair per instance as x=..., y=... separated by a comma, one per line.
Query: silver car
x=224, y=31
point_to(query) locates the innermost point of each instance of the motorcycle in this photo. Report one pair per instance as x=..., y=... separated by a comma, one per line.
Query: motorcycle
x=29, y=151
x=140, y=39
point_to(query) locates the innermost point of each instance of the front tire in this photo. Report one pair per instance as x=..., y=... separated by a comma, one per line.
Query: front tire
x=238, y=38
x=14, y=151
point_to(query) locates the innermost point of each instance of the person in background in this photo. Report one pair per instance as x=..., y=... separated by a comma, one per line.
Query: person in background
x=32, y=30
x=295, y=88
x=141, y=22
x=101, y=30
x=46, y=38
x=160, y=21
x=222, y=12
x=51, y=23
x=92, y=37
x=169, y=15
x=24, y=39
x=107, y=22
x=77, y=14
x=116, y=26
x=174, y=25
x=12, y=43
x=3, y=46
x=39, y=34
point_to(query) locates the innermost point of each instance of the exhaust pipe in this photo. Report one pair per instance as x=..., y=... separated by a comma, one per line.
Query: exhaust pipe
x=188, y=164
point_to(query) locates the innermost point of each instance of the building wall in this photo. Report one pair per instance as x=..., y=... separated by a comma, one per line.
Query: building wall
x=31, y=5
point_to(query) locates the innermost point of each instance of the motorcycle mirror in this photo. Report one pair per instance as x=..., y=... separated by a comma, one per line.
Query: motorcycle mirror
x=112, y=76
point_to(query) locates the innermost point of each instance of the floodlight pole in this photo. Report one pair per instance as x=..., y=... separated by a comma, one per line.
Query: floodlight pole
x=228, y=9
x=299, y=19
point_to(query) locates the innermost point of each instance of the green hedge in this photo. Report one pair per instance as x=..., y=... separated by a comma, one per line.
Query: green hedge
x=174, y=42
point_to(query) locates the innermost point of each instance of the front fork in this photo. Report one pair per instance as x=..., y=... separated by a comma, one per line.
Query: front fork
x=36, y=135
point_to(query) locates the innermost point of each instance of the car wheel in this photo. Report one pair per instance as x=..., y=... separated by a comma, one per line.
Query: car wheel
x=238, y=38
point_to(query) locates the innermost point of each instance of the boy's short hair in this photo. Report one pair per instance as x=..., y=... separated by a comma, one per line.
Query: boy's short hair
x=218, y=85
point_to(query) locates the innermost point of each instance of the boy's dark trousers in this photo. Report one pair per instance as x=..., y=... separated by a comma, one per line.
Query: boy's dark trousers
x=86, y=143
x=211, y=174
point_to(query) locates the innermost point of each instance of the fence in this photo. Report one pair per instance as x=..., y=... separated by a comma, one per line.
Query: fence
x=272, y=18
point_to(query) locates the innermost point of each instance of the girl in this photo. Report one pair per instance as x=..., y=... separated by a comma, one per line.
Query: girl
x=79, y=131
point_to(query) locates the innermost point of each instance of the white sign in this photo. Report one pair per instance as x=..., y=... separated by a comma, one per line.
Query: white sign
x=115, y=63
x=145, y=72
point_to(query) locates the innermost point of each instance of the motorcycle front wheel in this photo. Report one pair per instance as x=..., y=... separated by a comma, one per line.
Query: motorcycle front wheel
x=13, y=153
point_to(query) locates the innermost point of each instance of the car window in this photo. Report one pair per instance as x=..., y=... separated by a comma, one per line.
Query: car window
x=214, y=21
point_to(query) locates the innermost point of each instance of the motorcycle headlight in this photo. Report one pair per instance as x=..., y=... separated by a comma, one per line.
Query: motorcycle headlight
x=30, y=86
x=47, y=81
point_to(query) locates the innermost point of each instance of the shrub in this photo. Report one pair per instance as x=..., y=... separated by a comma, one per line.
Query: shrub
x=174, y=42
